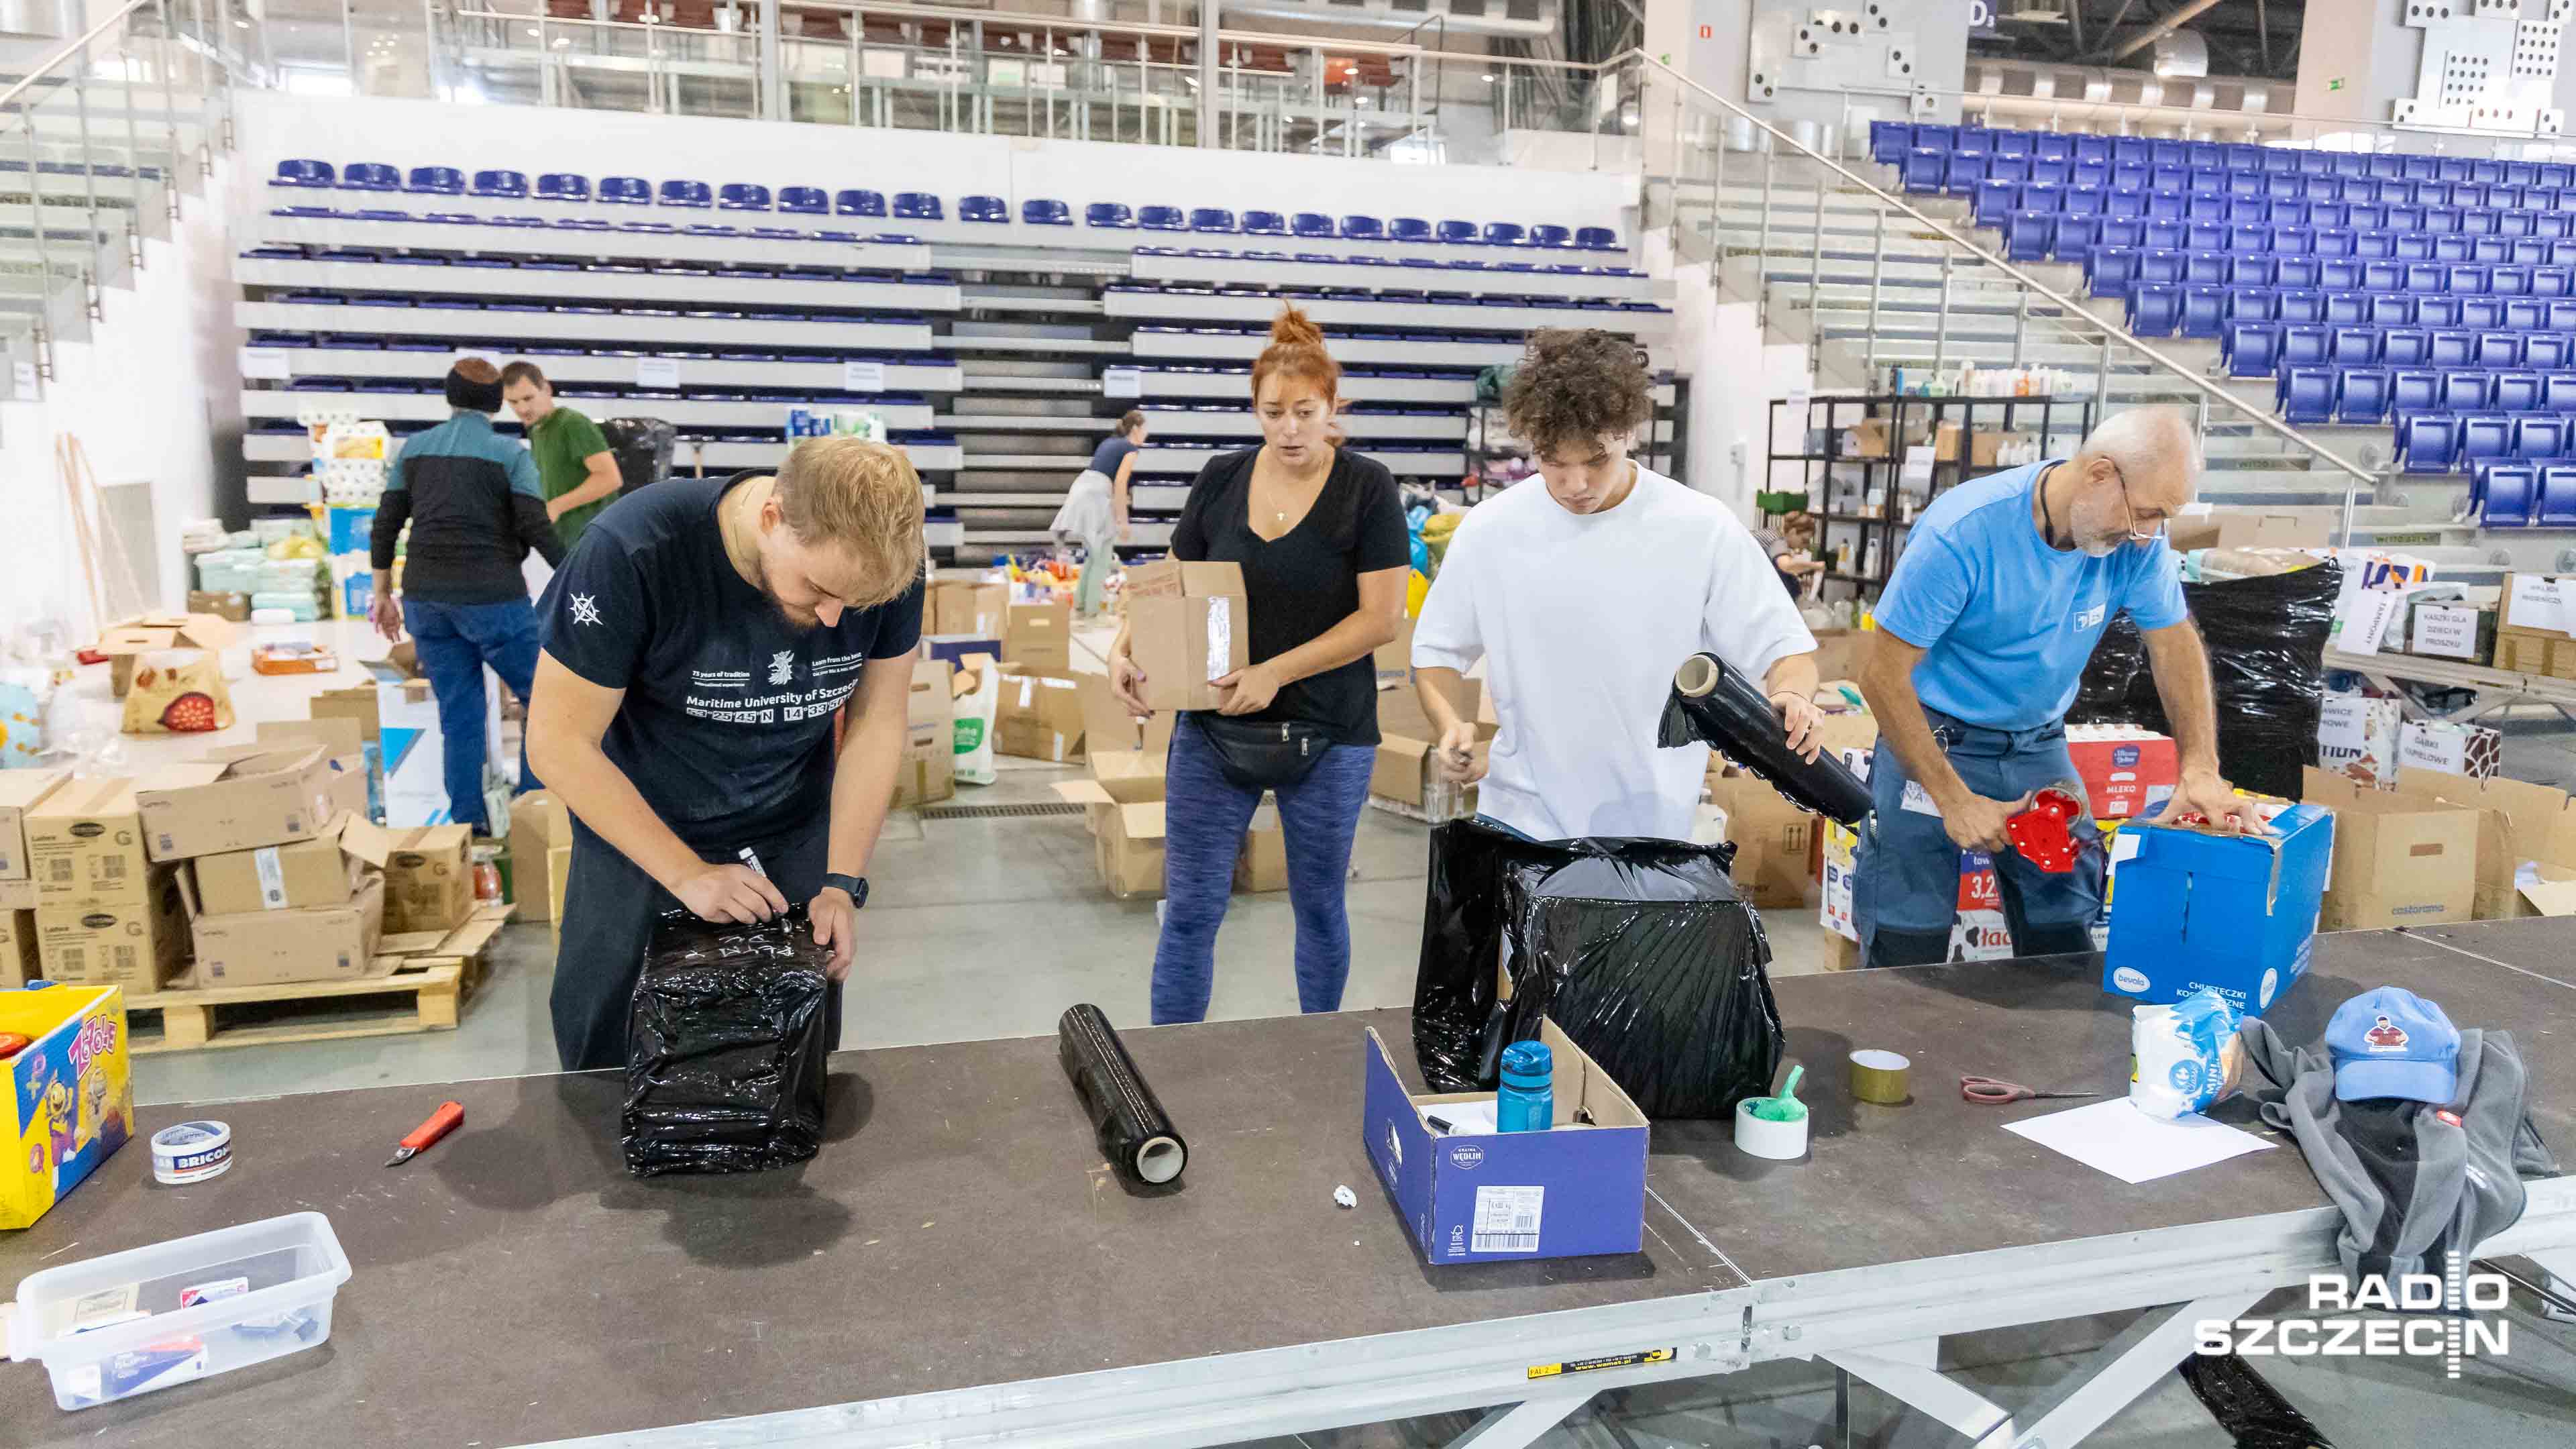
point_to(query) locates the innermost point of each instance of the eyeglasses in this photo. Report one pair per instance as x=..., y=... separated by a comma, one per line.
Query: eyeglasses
x=2131, y=509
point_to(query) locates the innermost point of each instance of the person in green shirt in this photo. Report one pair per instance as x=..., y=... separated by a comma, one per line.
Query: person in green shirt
x=574, y=465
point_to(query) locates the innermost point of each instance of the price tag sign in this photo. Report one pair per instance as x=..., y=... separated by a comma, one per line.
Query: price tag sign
x=1121, y=382
x=661, y=372
x=266, y=364
x=863, y=376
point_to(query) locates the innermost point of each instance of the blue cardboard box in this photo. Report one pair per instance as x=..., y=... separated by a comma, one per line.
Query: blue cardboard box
x=2191, y=908
x=1498, y=1197
x=955, y=647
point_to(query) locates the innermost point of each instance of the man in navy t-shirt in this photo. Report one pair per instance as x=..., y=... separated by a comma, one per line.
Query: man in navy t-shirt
x=2005, y=586
x=699, y=642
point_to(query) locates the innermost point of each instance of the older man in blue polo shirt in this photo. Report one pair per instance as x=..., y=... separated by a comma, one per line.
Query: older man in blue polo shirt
x=2004, y=588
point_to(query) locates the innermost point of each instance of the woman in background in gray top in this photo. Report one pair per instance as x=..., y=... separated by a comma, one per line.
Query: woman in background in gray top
x=1095, y=509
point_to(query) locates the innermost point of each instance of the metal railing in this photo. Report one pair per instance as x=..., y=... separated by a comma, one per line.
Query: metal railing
x=97, y=142
x=2074, y=316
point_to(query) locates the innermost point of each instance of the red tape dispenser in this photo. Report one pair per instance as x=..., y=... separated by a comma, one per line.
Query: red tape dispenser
x=2040, y=832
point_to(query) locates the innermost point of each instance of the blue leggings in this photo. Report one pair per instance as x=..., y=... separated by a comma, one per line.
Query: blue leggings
x=1205, y=816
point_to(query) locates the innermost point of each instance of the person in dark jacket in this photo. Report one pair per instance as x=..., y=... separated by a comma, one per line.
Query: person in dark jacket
x=476, y=510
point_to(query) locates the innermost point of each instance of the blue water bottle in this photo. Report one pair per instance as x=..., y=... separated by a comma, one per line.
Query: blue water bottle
x=1527, y=1102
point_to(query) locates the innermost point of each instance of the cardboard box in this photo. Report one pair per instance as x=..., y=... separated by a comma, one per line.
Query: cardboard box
x=414, y=750
x=1473, y=1197
x=305, y=873
x=85, y=845
x=2399, y=860
x=1187, y=628
x=19, y=961
x=1867, y=438
x=17, y=895
x=1038, y=716
x=2522, y=654
x=966, y=606
x=2247, y=528
x=358, y=704
x=2560, y=657
x=231, y=607
x=2236, y=912
x=237, y=798
x=313, y=943
x=1838, y=653
x=1039, y=637
x=1126, y=840
x=429, y=878
x=136, y=944
x=2521, y=826
x=344, y=743
x=927, y=773
x=1407, y=774
x=540, y=848
x=1945, y=443
x=1263, y=865
x=66, y=1101
x=2357, y=738
x=2124, y=769
x=1986, y=449
x=2452, y=630
x=2538, y=605
x=1126, y=755
x=2446, y=748
x=124, y=643
x=1400, y=711
x=955, y=649
x=1770, y=835
x=21, y=791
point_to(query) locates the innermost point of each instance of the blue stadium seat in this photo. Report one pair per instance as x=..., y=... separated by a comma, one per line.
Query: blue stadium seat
x=1036, y=211
x=2429, y=443
x=693, y=195
x=2485, y=437
x=2340, y=273
x=2517, y=225
x=2095, y=174
x=2092, y=148
x=2357, y=189
x=742, y=196
x=1596, y=239
x=436, y=181
x=1370, y=228
x=2442, y=248
x=2486, y=172
x=2405, y=218
x=2290, y=241
x=2427, y=277
x=2201, y=309
x=983, y=210
x=507, y=185
x=2405, y=346
x=2554, y=173
x=2059, y=171
x=563, y=186
x=2204, y=236
x=2429, y=194
x=2161, y=234
x=2303, y=344
x=2154, y=308
x=918, y=206
x=2301, y=271
x=2075, y=200
x=2382, y=276
x=2557, y=497
x=625, y=191
x=2353, y=345
x=2452, y=348
x=300, y=171
x=1961, y=171
x=2253, y=271
x=1889, y=141
x=2305, y=394
x=2050, y=146
x=2158, y=205
x=2207, y=269
x=2283, y=213
x=2074, y=238
x=2121, y=200
x=2547, y=351
x=2251, y=304
x=2108, y=271
x=1312, y=225
x=2302, y=304
x=2351, y=163
x=2249, y=237
x=852, y=201
x=2361, y=394
x=2029, y=236
x=1217, y=221
x=2509, y=281
x=2418, y=168
x=811, y=201
x=2556, y=226
x=2221, y=209
x=2505, y=495
x=1167, y=218
x=1271, y=223
x=2283, y=187
x=1547, y=238
x=1113, y=215
x=2437, y=311
x=2252, y=349
x=2529, y=251
x=367, y=176
x=2413, y=390
x=1995, y=202
x=1923, y=170
x=2498, y=349
x=1415, y=229
x=1453, y=233
x=2373, y=243
x=2344, y=309
x=2514, y=392
x=2015, y=169
x=2124, y=231
x=2392, y=309
x=2336, y=241
x=2131, y=176
x=2161, y=265
x=2246, y=182
x=2466, y=389
x=2490, y=249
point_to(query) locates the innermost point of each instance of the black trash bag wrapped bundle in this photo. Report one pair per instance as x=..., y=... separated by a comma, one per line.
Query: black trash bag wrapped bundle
x=2266, y=639
x=1640, y=950
x=724, y=1071
x=642, y=448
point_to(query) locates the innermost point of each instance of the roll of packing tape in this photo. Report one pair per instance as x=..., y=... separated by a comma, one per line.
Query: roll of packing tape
x=191, y=1152
x=1763, y=1137
x=1881, y=1077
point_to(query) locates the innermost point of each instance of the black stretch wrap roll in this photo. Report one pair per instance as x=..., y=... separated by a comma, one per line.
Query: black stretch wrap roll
x=1744, y=727
x=725, y=1066
x=1135, y=1133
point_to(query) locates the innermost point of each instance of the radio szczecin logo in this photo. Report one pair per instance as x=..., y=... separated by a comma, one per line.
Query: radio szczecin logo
x=2412, y=1315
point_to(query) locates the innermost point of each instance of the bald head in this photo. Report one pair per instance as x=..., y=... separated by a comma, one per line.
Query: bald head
x=2155, y=452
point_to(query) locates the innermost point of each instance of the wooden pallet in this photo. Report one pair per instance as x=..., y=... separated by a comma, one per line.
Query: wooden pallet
x=425, y=990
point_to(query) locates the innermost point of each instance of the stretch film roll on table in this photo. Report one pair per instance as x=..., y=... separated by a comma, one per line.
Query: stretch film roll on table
x=1135, y=1133
x=1712, y=703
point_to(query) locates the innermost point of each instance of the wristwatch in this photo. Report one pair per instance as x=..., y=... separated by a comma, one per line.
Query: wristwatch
x=855, y=885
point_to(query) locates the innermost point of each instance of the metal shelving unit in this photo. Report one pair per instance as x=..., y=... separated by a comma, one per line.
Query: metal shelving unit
x=1863, y=540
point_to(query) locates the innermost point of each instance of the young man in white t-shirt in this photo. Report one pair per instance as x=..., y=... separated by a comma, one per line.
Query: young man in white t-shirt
x=1584, y=595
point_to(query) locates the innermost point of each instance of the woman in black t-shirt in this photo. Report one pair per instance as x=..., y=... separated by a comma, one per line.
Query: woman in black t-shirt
x=1321, y=539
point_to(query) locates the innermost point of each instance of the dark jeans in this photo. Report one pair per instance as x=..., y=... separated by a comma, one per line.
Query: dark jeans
x=454, y=642
x=609, y=909
x=1204, y=817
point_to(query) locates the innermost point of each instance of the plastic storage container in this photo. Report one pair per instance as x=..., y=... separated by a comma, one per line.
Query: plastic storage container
x=136, y=1321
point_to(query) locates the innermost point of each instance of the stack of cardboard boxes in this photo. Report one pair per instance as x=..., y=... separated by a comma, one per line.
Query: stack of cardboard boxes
x=1123, y=799
x=2535, y=631
x=927, y=772
x=20, y=792
x=1407, y=779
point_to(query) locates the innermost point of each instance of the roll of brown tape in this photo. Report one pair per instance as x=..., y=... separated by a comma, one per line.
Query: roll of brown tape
x=1881, y=1077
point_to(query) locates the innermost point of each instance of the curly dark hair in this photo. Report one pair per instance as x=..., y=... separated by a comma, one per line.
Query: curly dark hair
x=1577, y=387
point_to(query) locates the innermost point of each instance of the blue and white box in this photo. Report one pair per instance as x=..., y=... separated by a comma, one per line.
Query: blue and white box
x=1478, y=1196
x=2194, y=908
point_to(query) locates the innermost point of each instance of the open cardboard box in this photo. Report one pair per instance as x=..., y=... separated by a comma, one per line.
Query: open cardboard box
x=236, y=798
x=2521, y=826
x=124, y=643
x=2399, y=859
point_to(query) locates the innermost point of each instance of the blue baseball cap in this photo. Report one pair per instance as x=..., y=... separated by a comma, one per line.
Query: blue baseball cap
x=2393, y=1043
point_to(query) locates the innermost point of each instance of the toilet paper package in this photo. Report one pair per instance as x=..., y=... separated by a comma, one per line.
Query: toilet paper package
x=2184, y=1057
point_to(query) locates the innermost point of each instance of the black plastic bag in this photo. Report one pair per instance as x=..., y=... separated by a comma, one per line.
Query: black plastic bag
x=2266, y=639
x=725, y=1066
x=1640, y=950
x=642, y=448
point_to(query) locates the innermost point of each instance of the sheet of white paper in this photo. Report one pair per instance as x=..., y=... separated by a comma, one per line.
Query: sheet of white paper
x=2132, y=1146
x=1476, y=1119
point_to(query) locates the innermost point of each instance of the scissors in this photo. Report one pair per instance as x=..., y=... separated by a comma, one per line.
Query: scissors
x=1995, y=1092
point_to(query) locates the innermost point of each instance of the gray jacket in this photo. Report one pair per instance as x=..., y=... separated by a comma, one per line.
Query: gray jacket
x=2413, y=1183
